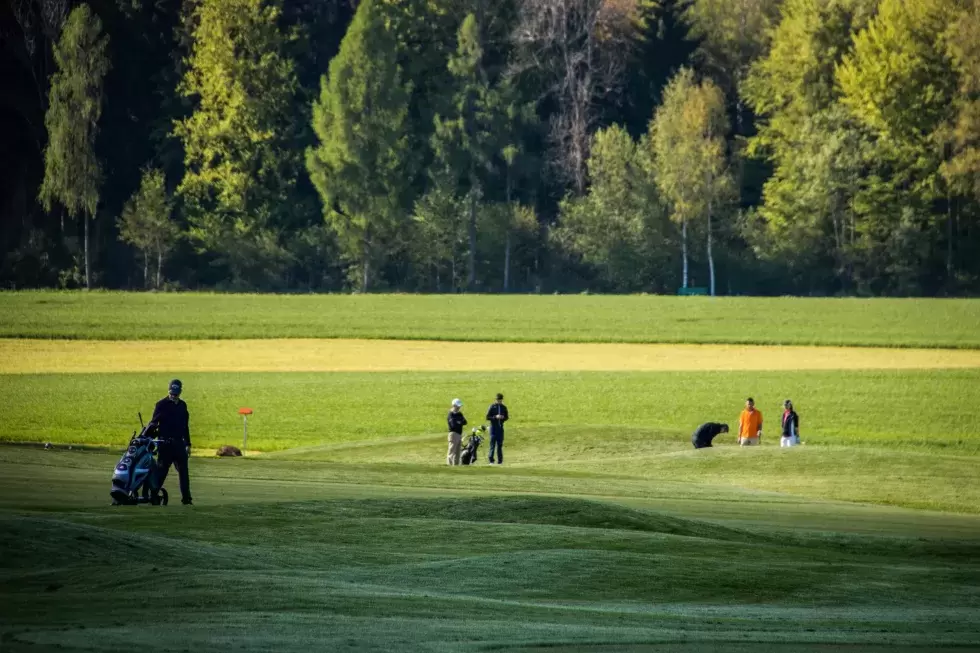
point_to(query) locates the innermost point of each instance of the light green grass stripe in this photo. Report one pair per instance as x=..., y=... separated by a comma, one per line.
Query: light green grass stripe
x=921, y=410
x=642, y=319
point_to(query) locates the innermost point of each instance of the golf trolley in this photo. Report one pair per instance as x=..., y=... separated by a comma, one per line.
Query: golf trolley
x=470, y=446
x=135, y=475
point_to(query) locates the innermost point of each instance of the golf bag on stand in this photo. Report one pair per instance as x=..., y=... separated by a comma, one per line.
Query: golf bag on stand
x=135, y=475
x=468, y=456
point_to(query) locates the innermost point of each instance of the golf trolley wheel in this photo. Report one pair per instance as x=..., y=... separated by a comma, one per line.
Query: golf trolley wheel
x=164, y=497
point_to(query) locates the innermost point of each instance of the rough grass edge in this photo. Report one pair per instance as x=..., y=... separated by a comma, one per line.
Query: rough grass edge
x=760, y=342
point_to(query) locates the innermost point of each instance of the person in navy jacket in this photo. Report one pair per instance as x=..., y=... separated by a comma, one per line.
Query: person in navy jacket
x=497, y=415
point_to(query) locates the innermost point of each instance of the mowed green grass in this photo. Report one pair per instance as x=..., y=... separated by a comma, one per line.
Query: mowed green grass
x=934, y=410
x=898, y=437
x=296, y=556
x=604, y=531
x=549, y=318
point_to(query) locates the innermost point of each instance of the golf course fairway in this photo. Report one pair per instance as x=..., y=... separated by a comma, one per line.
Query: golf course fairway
x=342, y=529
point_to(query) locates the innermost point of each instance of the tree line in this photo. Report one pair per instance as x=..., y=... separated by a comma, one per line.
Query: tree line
x=740, y=146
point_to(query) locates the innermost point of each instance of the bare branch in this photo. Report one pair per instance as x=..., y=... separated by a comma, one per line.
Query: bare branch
x=580, y=48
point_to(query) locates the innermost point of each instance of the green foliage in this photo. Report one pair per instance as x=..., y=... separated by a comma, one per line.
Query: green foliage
x=733, y=35
x=146, y=222
x=440, y=230
x=72, y=173
x=807, y=219
x=900, y=49
x=620, y=226
x=797, y=77
x=962, y=171
x=240, y=157
x=477, y=133
x=689, y=156
x=860, y=117
x=361, y=121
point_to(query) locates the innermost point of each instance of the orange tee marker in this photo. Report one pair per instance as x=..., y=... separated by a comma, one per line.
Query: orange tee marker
x=245, y=412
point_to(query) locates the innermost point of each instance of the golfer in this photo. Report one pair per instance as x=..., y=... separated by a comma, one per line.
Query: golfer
x=173, y=424
x=497, y=415
x=749, y=425
x=706, y=433
x=456, y=423
x=791, y=426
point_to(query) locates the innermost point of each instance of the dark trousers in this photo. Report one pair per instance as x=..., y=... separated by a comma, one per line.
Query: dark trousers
x=176, y=455
x=699, y=444
x=497, y=444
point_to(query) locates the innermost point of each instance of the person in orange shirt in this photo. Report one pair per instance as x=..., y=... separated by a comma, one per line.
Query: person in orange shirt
x=749, y=425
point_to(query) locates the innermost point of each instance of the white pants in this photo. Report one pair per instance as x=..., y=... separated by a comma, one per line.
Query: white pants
x=789, y=441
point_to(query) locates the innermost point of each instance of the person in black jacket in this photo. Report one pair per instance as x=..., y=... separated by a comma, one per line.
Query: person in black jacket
x=456, y=422
x=706, y=433
x=172, y=420
x=497, y=415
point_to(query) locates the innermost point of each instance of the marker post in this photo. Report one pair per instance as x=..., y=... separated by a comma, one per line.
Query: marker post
x=245, y=412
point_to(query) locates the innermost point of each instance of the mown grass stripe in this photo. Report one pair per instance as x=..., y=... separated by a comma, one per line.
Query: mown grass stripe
x=926, y=323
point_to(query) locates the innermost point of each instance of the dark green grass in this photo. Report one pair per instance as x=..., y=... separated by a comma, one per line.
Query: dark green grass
x=298, y=555
x=799, y=321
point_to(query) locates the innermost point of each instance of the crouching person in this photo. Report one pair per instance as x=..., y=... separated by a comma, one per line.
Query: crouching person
x=456, y=422
x=706, y=433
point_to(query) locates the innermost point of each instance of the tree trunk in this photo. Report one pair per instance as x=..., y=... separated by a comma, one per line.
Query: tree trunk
x=507, y=263
x=711, y=257
x=471, y=232
x=684, y=252
x=159, y=266
x=365, y=266
x=88, y=267
x=146, y=269
x=949, y=241
x=510, y=207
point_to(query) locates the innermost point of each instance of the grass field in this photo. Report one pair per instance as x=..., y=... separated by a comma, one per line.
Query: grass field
x=604, y=531
x=933, y=410
x=377, y=558
x=579, y=318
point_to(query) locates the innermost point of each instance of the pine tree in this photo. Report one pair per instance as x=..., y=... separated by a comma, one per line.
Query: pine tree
x=359, y=166
x=242, y=162
x=467, y=139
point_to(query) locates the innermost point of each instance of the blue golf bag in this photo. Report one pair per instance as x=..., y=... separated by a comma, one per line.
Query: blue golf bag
x=135, y=475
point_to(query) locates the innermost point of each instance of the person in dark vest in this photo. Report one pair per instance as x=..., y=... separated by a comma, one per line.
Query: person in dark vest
x=706, y=433
x=172, y=420
x=497, y=415
x=456, y=421
x=791, y=426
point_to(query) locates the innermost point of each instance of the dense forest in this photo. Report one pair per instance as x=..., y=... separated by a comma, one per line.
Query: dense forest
x=824, y=147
